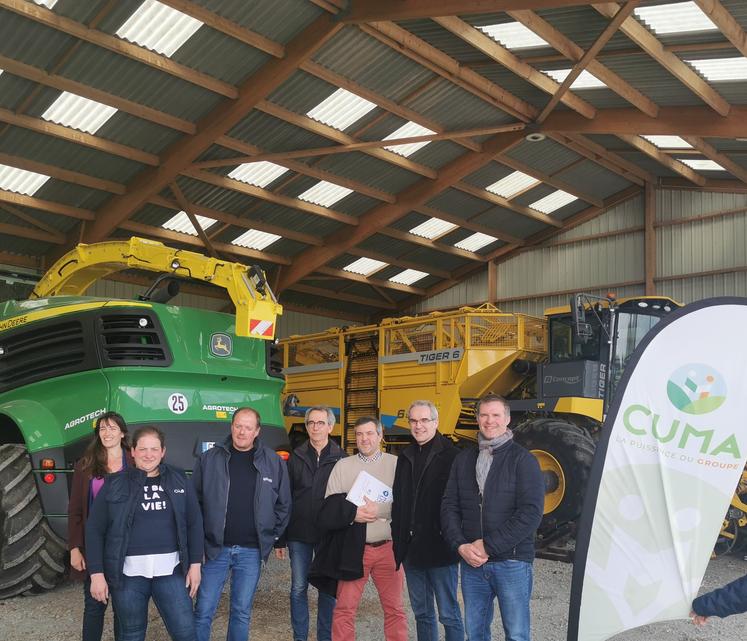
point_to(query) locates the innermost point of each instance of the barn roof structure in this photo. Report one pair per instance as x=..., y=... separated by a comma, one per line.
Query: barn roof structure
x=365, y=153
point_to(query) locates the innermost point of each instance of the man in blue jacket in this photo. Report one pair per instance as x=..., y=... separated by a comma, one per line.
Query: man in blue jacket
x=243, y=490
x=490, y=512
x=731, y=599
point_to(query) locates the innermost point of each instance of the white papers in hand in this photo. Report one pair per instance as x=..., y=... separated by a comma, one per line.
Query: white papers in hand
x=371, y=487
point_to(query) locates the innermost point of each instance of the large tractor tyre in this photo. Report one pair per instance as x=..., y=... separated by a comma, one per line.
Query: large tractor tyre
x=32, y=557
x=564, y=452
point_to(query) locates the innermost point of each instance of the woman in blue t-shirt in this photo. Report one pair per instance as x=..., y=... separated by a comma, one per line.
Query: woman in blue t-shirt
x=145, y=539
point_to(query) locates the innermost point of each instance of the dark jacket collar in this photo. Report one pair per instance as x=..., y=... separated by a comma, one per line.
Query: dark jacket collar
x=439, y=443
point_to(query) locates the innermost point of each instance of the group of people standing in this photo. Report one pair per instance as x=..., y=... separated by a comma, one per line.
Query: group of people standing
x=153, y=533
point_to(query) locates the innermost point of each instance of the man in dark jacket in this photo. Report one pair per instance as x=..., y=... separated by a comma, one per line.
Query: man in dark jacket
x=308, y=471
x=243, y=490
x=728, y=600
x=491, y=510
x=430, y=564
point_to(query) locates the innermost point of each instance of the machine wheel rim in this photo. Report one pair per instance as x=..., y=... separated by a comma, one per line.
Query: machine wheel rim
x=549, y=465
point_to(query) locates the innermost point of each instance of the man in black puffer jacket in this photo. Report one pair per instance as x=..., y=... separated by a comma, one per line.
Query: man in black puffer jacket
x=491, y=510
x=308, y=471
x=430, y=563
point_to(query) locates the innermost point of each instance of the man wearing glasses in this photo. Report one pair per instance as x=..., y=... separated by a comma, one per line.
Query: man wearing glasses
x=429, y=561
x=309, y=467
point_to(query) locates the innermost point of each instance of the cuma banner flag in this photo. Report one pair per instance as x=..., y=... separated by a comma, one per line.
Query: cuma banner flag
x=672, y=451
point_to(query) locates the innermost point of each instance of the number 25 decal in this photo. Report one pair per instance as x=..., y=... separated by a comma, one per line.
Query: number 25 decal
x=178, y=403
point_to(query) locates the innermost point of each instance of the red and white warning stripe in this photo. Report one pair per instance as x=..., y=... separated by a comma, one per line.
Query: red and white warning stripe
x=261, y=327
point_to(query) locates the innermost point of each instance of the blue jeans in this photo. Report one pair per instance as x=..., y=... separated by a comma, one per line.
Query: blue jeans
x=245, y=565
x=93, y=614
x=511, y=582
x=440, y=584
x=301, y=555
x=130, y=600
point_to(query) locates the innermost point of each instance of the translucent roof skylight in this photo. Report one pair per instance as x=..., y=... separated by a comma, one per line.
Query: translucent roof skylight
x=255, y=239
x=722, y=69
x=46, y=3
x=585, y=80
x=365, y=266
x=701, y=164
x=259, y=174
x=553, y=201
x=325, y=194
x=668, y=142
x=408, y=277
x=475, y=241
x=78, y=112
x=21, y=181
x=514, y=35
x=157, y=27
x=681, y=17
x=341, y=109
x=409, y=130
x=182, y=223
x=512, y=184
x=432, y=228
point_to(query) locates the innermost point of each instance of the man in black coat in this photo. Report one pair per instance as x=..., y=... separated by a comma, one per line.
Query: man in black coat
x=430, y=564
x=491, y=510
x=308, y=469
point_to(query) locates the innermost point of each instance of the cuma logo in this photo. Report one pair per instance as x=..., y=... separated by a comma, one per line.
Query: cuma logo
x=696, y=389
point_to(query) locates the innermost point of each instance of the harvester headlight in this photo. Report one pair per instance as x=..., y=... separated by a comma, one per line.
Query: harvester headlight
x=143, y=322
x=175, y=264
x=2, y=351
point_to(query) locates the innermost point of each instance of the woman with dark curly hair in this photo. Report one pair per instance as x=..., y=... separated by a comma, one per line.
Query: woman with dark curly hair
x=108, y=452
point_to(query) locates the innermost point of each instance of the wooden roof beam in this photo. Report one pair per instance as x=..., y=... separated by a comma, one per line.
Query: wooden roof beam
x=573, y=52
x=364, y=146
x=188, y=239
x=32, y=234
x=468, y=224
x=397, y=262
x=22, y=215
x=433, y=244
x=309, y=170
x=239, y=221
x=384, y=215
x=269, y=196
x=73, y=28
x=46, y=205
x=550, y=179
x=528, y=212
x=513, y=63
x=78, y=137
x=215, y=124
x=652, y=151
x=654, y=48
x=309, y=124
x=78, y=88
x=598, y=154
x=187, y=209
x=62, y=174
x=368, y=280
x=445, y=66
x=725, y=22
x=676, y=121
x=373, y=10
x=350, y=298
x=230, y=28
x=709, y=151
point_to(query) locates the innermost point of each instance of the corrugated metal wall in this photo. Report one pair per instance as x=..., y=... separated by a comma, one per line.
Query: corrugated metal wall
x=299, y=323
x=607, y=254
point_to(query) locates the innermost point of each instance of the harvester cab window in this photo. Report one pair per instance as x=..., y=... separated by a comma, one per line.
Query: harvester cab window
x=631, y=328
x=565, y=346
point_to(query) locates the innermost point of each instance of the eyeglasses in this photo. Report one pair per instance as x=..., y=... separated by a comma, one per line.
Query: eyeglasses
x=420, y=421
x=316, y=423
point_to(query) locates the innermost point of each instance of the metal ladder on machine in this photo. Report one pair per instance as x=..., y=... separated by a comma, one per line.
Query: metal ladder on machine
x=361, y=383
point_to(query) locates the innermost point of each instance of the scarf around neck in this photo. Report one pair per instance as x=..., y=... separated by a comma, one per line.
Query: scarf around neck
x=485, y=457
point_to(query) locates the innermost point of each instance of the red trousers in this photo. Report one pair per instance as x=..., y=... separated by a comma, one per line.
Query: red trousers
x=379, y=563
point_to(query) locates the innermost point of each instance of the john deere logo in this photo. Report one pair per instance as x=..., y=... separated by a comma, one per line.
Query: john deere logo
x=696, y=389
x=221, y=345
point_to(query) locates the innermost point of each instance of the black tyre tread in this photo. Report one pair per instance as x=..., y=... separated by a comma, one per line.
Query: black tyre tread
x=573, y=448
x=32, y=556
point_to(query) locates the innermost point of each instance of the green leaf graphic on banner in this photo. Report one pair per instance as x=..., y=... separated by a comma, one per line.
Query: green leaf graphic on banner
x=705, y=405
x=679, y=399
